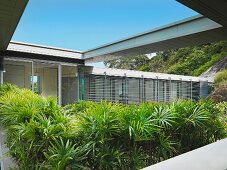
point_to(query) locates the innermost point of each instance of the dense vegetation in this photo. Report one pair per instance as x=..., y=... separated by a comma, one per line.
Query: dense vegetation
x=219, y=93
x=220, y=78
x=87, y=135
x=184, y=61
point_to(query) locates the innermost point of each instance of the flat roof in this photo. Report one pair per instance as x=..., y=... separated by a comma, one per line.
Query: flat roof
x=139, y=74
x=45, y=50
x=148, y=32
x=191, y=31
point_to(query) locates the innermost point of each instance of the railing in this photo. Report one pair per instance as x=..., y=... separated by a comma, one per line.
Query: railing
x=136, y=90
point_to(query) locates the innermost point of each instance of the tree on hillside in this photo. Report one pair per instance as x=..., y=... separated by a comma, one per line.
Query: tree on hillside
x=184, y=61
x=130, y=63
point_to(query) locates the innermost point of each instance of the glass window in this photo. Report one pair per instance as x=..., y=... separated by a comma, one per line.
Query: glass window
x=46, y=79
x=69, y=84
x=18, y=73
x=36, y=84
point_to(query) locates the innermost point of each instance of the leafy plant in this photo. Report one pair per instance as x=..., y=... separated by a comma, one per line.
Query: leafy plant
x=89, y=135
x=220, y=78
x=62, y=155
x=185, y=61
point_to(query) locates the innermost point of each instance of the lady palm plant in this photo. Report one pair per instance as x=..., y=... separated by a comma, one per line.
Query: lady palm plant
x=63, y=155
x=139, y=123
x=19, y=106
x=88, y=135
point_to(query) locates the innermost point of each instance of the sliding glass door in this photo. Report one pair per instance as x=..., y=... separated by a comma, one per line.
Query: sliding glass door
x=44, y=78
x=69, y=81
x=18, y=73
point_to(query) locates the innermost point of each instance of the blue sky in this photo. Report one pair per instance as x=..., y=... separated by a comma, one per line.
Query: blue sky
x=85, y=24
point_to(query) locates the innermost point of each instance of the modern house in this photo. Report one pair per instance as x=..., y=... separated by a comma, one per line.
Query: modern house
x=63, y=73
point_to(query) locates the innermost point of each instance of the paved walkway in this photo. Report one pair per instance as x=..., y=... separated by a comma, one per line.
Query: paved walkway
x=5, y=160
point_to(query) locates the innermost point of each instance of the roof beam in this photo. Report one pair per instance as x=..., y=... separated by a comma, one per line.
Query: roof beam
x=191, y=31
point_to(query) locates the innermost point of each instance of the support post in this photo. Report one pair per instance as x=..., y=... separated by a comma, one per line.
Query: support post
x=170, y=89
x=165, y=90
x=32, y=63
x=181, y=89
x=104, y=87
x=1, y=81
x=78, y=84
x=191, y=89
x=157, y=99
x=89, y=88
x=125, y=90
x=2, y=69
x=142, y=89
x=111, y=98
x=60, y=84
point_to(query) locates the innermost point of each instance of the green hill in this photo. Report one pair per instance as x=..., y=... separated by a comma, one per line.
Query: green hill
x=184, y=61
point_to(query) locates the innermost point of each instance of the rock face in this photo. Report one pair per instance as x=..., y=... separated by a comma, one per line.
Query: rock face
x=219, y=66
x=219, y=94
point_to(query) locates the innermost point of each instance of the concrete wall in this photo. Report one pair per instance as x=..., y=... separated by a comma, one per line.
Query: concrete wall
x=209, y=157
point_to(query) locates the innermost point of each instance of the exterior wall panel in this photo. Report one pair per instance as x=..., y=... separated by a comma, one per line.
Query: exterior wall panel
x=125, y=89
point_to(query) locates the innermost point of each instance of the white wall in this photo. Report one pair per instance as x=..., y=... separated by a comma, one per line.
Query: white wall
x=209, y=157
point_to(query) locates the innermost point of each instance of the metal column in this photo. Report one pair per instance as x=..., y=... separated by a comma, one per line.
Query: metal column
x=157, y=99
x=32, y=76
x=104, y=87
x=170, y=89
x=125, y=90
x=59, y=84
x=142, y=89
x=191, y=89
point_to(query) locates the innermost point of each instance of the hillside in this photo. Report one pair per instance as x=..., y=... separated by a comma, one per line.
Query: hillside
x=184, y=61
x=217, y=67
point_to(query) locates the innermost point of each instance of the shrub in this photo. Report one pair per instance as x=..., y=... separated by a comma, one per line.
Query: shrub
x=88, y=135
x=220, y=78
x=220, y=91
x=210, y=63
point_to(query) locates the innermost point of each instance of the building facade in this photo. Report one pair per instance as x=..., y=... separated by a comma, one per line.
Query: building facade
x=50, y=71
x=127, y=86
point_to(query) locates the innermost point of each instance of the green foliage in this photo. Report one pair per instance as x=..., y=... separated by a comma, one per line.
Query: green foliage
x=219, y=93
x=130, y=63
x=88, y=135
x=184, y=61
x=215, y=58
x=64, y=155
x=220, y=78
x=6, y=88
